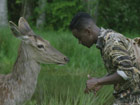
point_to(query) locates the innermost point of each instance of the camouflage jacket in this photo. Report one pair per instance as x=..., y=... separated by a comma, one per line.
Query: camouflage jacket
x=118, y=56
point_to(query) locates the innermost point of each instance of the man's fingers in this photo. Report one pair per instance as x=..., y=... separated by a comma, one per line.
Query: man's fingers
x=94, y=92
x=87, y=91
x=89, y=77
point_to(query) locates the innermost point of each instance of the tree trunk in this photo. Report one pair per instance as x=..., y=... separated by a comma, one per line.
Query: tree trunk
x=3, y=13
x=27, y=9
x=92, y=8
x=41, y=19
x=95, y=15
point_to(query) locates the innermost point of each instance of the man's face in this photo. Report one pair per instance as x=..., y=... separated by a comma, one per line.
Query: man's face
x=85, y=37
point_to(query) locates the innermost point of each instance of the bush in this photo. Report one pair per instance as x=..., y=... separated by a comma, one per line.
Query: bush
x=59, y=13
x=121, y=15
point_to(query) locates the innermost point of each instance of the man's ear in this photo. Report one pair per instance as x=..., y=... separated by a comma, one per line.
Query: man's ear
x=14, y=29
x=88, y=30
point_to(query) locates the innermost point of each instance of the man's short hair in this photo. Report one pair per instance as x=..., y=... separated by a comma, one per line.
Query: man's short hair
x=80, y=20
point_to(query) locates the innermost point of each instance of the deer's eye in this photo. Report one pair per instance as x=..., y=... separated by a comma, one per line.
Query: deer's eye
x=40, y=46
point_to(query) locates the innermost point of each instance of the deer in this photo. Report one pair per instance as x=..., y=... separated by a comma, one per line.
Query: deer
x=18, y=86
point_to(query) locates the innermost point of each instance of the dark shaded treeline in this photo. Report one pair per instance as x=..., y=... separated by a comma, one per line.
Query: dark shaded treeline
x=121, y=15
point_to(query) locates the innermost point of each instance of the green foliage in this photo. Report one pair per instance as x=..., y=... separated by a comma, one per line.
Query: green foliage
x=18, y=1
x=14, y=9
x=8, y=44
x=59, y=13
x=121, y=15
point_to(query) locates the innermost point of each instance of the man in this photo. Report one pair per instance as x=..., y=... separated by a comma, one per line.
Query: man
x=118, y=57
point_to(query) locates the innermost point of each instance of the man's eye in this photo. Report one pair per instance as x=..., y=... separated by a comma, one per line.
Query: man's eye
x=40, y=46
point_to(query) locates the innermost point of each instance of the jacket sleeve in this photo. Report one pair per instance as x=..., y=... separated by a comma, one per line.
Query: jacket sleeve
x=122, y=61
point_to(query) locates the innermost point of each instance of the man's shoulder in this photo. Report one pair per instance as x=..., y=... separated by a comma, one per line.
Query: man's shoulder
x=110, y=37
x=114, y=37
x=110, y=34
x=115, y=40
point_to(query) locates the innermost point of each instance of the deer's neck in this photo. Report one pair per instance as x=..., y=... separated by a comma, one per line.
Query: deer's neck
x=25, y=72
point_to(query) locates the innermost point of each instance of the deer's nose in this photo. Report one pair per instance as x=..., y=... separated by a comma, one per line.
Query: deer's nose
x=66, y=59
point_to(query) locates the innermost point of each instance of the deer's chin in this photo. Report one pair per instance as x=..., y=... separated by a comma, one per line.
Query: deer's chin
x=60, y=64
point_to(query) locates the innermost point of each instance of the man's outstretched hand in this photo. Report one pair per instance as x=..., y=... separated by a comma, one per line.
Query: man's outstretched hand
x=92, y=85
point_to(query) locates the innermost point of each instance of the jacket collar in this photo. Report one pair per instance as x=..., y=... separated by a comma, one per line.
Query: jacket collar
x=101, y=38
x=100, y=41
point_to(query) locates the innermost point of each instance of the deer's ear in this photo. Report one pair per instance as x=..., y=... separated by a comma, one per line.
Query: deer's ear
x=17, y=32
x=14, y=29
x=24, y=27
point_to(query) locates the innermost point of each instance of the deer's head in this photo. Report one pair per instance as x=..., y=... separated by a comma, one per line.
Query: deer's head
x=39, y=49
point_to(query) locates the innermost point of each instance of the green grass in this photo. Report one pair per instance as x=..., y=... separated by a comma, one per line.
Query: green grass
x=61, y=85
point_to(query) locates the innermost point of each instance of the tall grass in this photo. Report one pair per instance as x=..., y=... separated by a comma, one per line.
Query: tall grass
x=60, y=85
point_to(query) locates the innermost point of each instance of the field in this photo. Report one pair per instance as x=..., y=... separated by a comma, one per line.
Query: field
x=61, y=85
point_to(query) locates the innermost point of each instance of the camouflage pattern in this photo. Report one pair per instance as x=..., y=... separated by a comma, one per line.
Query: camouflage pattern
x=118, y=56
x=131, y=100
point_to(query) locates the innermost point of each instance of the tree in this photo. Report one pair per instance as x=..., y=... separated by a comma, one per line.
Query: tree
x=41, y=18
x=92, y=7
x=27, y=8
x=3, y=13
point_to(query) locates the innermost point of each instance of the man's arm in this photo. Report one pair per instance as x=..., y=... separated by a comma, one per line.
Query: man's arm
x=124, y=67
x=92, y=83
x=110, y=79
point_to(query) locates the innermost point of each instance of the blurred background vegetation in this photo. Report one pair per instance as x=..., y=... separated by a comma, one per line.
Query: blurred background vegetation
x=121, y=15
x=64, y=85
